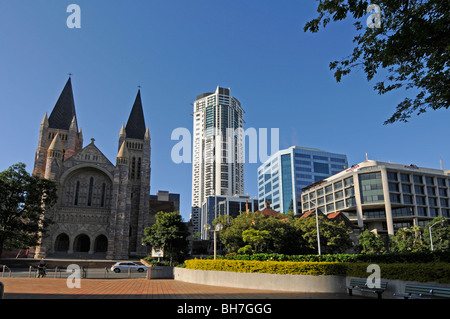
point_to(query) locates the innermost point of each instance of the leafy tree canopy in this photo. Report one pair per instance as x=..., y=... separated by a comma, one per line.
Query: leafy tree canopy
x=23, y=201
x=170, y=233
x=412, y=45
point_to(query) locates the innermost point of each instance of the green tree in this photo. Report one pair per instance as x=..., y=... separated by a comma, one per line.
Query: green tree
x=256, y=238
x=411, y=46
x=231, y=234
x=371, y=243
x=170, y=233
x=440, y=231
x=408, y=240
x=334, y=237
x=23, y=201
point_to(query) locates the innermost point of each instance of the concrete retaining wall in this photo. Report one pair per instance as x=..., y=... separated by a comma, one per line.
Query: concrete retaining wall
x=298, y=283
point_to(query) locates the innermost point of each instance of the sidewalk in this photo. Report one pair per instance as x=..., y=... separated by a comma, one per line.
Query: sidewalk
x=56, y=288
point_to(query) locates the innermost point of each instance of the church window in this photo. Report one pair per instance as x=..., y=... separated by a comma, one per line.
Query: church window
x=77, y=191
x=133, y=168
x=102, y=204
x=91, y=188
x=139, y=169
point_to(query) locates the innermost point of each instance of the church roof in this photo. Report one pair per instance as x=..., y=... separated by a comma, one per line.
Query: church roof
x=64, y=110
x=136, y=125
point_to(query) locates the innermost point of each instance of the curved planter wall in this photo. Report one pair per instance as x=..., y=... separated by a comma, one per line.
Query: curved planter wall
x=300, y=283
x=297, y=283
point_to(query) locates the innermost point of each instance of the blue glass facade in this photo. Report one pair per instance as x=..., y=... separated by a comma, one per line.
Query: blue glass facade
x=282, y=177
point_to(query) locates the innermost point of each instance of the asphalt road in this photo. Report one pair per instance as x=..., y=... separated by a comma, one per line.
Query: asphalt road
x=91, y=273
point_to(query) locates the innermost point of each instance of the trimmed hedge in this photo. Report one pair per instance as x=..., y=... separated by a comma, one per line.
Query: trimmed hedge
x=422, y=272
x=417, y=257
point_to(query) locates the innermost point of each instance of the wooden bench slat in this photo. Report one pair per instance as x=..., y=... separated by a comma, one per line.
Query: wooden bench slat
x=418, y=291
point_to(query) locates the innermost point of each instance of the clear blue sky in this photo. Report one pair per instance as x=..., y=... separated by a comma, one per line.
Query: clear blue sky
x=176, y=49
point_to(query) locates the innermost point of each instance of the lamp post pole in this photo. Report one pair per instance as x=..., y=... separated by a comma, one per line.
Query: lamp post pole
x=317, y=225
x=218, y=227
x=431, y=237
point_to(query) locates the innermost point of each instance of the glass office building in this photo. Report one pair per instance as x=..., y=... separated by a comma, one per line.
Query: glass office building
x=233, y=206
x=282, y=177
x=383, y=197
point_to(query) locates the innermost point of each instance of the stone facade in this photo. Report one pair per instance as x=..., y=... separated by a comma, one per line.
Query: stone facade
x=102, y=208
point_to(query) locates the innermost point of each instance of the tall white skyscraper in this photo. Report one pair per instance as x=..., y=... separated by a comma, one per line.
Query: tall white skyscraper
x=218, y=152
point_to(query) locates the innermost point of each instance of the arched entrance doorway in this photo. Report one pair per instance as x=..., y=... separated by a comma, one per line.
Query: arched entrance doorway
x=62, y=243
x=82, y=243
x=101, y=244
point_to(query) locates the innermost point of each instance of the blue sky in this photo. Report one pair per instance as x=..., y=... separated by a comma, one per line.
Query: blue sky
x=176, y=49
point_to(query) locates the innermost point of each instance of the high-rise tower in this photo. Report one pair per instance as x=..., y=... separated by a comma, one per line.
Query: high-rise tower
x=218, y=152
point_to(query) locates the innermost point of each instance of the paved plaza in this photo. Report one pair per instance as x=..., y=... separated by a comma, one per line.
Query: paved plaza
x=140, y=288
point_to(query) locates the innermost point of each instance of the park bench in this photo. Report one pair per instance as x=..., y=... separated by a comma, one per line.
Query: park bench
x=361, y=285
x=424, y=292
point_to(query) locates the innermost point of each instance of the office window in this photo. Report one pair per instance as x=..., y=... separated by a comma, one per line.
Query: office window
x=404, y=177
x=420, y=200
x=392, y=176
x=443, y=192
x=338, y=185
x=406, y=188
x=321, y=168
x=441, y=182
x=431, y=191
x=393, y=187
x=432, y=201
x=395, y=198
x=338, y=160
x=320, y=158
x=329, y=198
x=302, y=155
x=348, y=181
x=407, y=199
x=417, y=179
x=328, y=189
x=429, y=180
x=349, y=191
x=419, y=190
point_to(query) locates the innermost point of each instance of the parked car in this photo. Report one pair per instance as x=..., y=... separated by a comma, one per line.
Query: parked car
x=124, y=266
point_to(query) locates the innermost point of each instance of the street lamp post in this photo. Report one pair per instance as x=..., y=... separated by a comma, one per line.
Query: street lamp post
x=431, y=237
x=317, y=225
x=218, y=227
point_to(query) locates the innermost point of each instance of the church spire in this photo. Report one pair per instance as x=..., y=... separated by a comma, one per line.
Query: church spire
x=64, y=111
x=136, y=124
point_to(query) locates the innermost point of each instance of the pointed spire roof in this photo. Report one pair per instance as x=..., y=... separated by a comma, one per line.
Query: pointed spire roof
x=123, y=152
x=56, y=144
x=136, y=125
x=64, y=110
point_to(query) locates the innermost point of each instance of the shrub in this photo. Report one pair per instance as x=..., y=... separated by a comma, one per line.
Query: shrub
x=421, y=272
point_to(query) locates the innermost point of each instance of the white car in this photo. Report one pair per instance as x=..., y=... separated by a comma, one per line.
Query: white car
x=118, y=267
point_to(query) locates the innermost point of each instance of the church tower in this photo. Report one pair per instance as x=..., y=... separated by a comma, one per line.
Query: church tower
x=132, y=184
x=62, y=124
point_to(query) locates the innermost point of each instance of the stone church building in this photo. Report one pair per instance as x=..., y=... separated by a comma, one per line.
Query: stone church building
x=102, y=207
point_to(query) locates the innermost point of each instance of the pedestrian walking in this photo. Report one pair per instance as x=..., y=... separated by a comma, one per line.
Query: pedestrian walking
x=41, y=269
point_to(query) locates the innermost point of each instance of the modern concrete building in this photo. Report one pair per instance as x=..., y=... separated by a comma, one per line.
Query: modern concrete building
x=382, y=196
x=218, y=152
x=282, y=177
